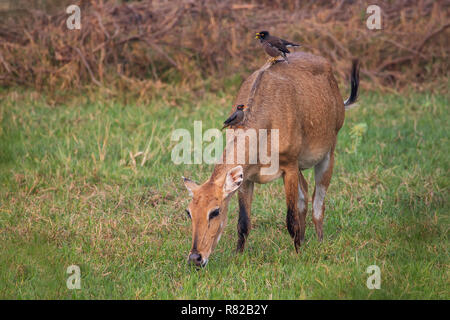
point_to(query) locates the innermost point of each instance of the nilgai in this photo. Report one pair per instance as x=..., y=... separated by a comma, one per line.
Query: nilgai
x=302, y=101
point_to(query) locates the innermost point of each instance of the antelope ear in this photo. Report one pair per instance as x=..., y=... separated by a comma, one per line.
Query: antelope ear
x=233, y=181
x=190, y=185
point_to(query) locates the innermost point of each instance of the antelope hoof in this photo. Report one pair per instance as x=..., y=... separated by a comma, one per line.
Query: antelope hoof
x=296, y=245
x=320, y=237
x=319, y=233
x=240, y=246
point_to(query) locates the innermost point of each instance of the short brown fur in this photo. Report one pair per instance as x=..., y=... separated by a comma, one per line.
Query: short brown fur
x=302, y=100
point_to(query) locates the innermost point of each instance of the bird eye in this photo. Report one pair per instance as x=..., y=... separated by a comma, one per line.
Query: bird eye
x=214, y=213
x=188, y=213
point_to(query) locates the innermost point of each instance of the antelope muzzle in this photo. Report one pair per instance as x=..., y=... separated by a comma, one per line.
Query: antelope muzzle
x=197, y=260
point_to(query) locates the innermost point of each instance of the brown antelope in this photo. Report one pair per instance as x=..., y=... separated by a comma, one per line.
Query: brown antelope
x=302, y=100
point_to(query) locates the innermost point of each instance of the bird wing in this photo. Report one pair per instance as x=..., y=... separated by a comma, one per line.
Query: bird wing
x=230, y=119
x=278, y=43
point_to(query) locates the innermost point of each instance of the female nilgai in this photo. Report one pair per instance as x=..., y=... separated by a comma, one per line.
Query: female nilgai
x=302, y=100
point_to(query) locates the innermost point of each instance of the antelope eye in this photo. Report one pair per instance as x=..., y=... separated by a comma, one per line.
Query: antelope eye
x=188, y=213
x=214, y=213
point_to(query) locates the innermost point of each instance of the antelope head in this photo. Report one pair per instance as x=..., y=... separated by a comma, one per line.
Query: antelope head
x=208, y=212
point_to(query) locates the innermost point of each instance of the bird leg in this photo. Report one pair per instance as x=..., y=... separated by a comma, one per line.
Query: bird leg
x=272, y=60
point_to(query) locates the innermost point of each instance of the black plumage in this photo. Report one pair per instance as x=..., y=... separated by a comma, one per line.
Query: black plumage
x=236, y=117
x=275, y=46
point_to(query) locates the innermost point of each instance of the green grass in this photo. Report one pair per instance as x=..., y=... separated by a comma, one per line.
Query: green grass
x=70, y=194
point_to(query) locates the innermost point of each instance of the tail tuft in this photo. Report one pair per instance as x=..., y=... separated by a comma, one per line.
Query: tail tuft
x=354, y=84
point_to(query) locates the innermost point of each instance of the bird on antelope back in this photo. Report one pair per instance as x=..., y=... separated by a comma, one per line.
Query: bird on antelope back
x=275, y=46
x=236, y=118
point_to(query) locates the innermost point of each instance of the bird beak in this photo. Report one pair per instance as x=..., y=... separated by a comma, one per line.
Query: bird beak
x=257, y=35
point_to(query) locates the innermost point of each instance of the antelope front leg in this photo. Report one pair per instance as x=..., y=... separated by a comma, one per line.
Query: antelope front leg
x=322, y=176
x=294, y=220
x=245, y=196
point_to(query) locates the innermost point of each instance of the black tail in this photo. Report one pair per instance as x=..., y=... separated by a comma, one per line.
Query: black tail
x=354, y=83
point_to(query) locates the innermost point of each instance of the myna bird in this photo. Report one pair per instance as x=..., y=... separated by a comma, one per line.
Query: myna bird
x=236, y=117
x=274, y=46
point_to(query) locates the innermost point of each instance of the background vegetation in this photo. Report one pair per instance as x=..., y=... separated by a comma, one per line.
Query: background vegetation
x=85, y=170
x=142, y=47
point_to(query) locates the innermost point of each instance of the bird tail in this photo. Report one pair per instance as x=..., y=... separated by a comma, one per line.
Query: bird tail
x=354, y=84
x=290, y=45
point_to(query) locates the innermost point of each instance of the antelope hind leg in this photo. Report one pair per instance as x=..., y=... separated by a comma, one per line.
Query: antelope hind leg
x=322, y=177
x=294, y=220
x=302, y=204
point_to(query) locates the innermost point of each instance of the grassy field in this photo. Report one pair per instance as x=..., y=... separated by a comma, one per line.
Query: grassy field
x=71, y=193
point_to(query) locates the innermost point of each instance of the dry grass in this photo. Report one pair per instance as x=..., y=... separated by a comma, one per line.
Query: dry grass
x=141, y=47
